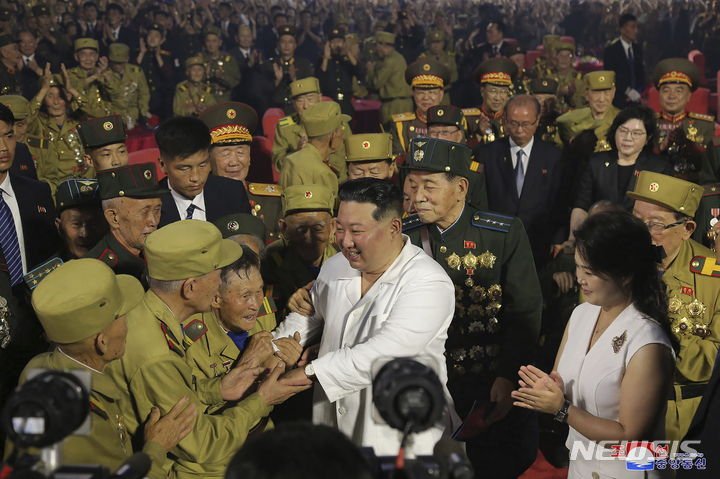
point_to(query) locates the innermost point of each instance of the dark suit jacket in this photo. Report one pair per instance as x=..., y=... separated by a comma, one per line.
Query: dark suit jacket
x=223, y=196
x=484, y=48
x=543, y=216
x=228, y=40
x=37, y=213
x=616, y=60
x=29, y=78
x=599, y=181
x=23, y=164
x=129, y=37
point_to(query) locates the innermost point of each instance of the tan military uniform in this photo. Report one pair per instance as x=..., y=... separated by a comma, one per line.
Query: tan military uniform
x=403, y=128
x=602, y=127
x=188, y=97
x=447, y=59
x=573, y=80
x=103, y=97
x=222, y=87
x=44, y=154
x=388, y=78
x=288, y=133
x=307, y=167
x=135, y=94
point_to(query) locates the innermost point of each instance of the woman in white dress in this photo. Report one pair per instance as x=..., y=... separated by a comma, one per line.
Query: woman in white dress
x=616, y=361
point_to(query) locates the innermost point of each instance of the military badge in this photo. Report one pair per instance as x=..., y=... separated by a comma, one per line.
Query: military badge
x=108, y=126
x=419, y=155
x=459, y=293
x=147, y=174
x=470, y=261
x=695, y=309
x=495, y=291
x=4, y=325
x=675, y=304
x=681, y=326
x=366, y=144
x=469, y=282
x=453, y=261
x=700, y=329
x=230, y=113
x=477, y=352
x=487, y=259
x=493, y=308
x=618, y=341
x=469, y=245
x=440, y=112
x=477, y=294
x=654, y=187
x=476, y=311
x=459, y=355
x=308, y=194
x=233, y=226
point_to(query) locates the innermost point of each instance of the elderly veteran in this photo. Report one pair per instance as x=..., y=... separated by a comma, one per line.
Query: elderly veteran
x=667, y=205
x=310, y=165
x=370, y=155
x=103, y=140
x=436, y=40
x=290, y=134
x=599, y=93
x=223, y=72
x=193, y=96
x=155, y=368
x=427, y=79
x=386, y=77
x=495, y=77
x=130, y=79
x=231, y=128
x=82, y=306
x=10, y=81
x=93, y=80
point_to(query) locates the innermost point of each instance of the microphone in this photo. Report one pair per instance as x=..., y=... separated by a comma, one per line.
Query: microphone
x=450, y=456
x=134, y=467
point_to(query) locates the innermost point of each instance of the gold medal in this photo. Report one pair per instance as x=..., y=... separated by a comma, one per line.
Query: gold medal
x=459, y=293
x=681, y=326
x=495, y=291
x=477, y=352
x=675, y=304
x=476, y=327
x=122, y=432
x=453, y=261
x=470, y=261
x=695, y=309
x=493, y=308
x=492, y=325
x=476, y=311
x=469, y=282
x=477, y=294
x=487, y=259
x=700, y=329
x=691, y=132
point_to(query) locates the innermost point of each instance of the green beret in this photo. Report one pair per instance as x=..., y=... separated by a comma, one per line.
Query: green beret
x=81, y=298
x=602, y=80
x=369, y=147
x=446, y=115
x=230, y=123
x=435, y=36
x=543, y=85
x=131, y=181
x=667, y=191
x=102, y=131
x=199, y=244
x=77, y=192
x=196, y=60
x=81, y=43
x=241, y=224
x=18, y=105
x=323, y=118
x=440, y=156
x=212, y=31
x=119, y=53
x=385, y=37
x=496, y=71
x=299, y=198
x=6, y=40
x=286, y=30
x=678, y=71
x=427, y=73
x=305, y=85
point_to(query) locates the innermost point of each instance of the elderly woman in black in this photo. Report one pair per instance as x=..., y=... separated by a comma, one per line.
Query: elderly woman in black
x=610, y=174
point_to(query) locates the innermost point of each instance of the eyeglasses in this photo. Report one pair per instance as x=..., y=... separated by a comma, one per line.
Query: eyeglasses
x=657, y=228
x=443, y=134
x=514, y=125
x=635, y=134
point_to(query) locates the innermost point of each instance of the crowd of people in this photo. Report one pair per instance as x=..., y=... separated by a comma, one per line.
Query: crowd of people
x=532, y=227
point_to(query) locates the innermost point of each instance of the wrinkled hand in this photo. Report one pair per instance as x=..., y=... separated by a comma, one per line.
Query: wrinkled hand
x=303, y=140
x=484, y=123
x=66, y=80
x=634, y=96
x=236, y=383
x=310, y=355
x=500, y=393
x=259, y=349
x=301, y=302
x=47, y=77
x=565, y=281
x=275, y=390
x=290, y=349
x=102, y=64
x=172, y=428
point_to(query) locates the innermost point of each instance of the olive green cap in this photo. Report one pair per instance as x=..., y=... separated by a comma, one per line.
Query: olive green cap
x=76, y=192
x=286, y=30
x=352, y=39
x=119, y=53
x=602, y=80
x=549, y=40
x=55, y=80
x=212, y=31
x=435, y=36
x=230, y=123
x=385, y=37
x=157, y=27
x=511, y=50
x=196, y=60
x=81, y=298
x=40, y=9
x=131, y=181
x=199, y=244
x=678, y=71
x=17, y=104
x=323, y=118
x=440, y=156
x=575, y=122
x=337, y=33
x=369, y=147
x=446, y=115
x=381, y=24
x=560, y=45
x=427, y=73
x=102, y=131
x=6, y=40
x=299, y=198
x=667, y=191
x=543, y=85
x=81, y=43
x=305, y=85
x=241, y=224
x=496, y=71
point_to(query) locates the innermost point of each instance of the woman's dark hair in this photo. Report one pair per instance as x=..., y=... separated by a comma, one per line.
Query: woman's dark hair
x=616, y=245
x=386, y=197
x=181, y=137
x=635, y=112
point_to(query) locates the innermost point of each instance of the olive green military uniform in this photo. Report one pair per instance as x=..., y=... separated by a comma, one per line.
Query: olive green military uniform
x=543, y=63
x=222, y=87
x=387, y=78
x=710, y=172
x=572, y=80
x=693, y=291
x=498, y=72
x=496, y=131
x=156, y=370
x=189, y=96
x=446, y=57
x=547, y=126
x=698, y=128
x=9, y=81
x=602, y=127
x=104, y=97
x=707, y=215
x=132, y=84
x=111, y=252
x=265, y=201
x=404, y=127
x=520, y=84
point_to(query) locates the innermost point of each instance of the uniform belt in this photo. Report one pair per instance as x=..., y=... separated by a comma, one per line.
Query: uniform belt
x=383, y=100
x=688, y=391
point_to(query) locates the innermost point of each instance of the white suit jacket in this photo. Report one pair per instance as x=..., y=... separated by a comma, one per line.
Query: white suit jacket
x=405, y=313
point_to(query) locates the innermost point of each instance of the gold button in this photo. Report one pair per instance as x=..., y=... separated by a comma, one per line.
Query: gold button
x=412, y=128
x=476, y=217
x=443, y=249
x=111, y=256
x=447, y=168
x=121, y=193
x=696, y=264
x=681, y=208
x=112, y=174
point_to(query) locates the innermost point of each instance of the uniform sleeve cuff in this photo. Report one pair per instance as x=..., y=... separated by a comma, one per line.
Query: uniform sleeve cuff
x=210, y=392
x=157, y=456
x=256, y=405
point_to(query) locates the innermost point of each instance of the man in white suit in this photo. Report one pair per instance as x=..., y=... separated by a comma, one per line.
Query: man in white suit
x=382, y=298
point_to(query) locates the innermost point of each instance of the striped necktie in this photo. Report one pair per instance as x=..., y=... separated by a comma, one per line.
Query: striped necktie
x=9, y=242
x=190, y=211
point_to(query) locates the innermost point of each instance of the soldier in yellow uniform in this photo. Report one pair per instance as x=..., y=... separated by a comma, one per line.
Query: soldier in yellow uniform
x=668, y=205
x=427, y=78
x=521, y=83
x=193, y=96
x=290, y=133
x=370, y=155
x=223, y=72
x=323, y=124
x=93, y=80
x=599, y=93
x=386, y=76
x=549, y=58
x=131, y=81
x=155, y=370
x=231, y=128
x=436, y=51
x=682, y=134
x=571, y=86
x=495, y=77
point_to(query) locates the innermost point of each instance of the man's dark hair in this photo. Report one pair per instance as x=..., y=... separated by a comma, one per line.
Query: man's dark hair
x=500, y=27
x=386, y=197
x=116, y=7
x=525, y=99
x=320, y=452
x=6, y=115
x=242, y=267
x=181, y=137
x=278, y=16
x=625, y=18
x=225, y=5
x=90, y=4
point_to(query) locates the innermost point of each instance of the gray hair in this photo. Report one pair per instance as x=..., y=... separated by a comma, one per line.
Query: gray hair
x=164, y=287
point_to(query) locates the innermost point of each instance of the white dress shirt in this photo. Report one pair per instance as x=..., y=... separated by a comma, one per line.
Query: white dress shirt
x=527, y=149
x=183, y=204
x=27, y=60
x=11, y=200
x=116, y=33
x=245, y=53
x=627, y=46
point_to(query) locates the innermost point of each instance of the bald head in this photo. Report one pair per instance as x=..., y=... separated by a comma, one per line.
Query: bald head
x=523, y=102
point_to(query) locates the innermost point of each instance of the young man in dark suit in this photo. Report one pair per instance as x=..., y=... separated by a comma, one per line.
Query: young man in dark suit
x=625, y=58
x=523, y=176
x=184, y=145
x=228, y=29
x=115, y=31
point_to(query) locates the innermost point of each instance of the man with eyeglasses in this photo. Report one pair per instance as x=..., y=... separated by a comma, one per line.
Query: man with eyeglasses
x=599, y=93
x=570, y=82
x=667, y=205
x=495, y=77
x=523, y=176
x=427, y=78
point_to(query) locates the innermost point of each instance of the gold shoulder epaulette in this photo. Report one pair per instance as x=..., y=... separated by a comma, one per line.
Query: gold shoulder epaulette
x=700, y=116
x=477, y=167
x=422, y=55
x=265, y=189
x=287, y=121
x=471, y=111
x=403, y=116
x=705, y=266
x=182, y=87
